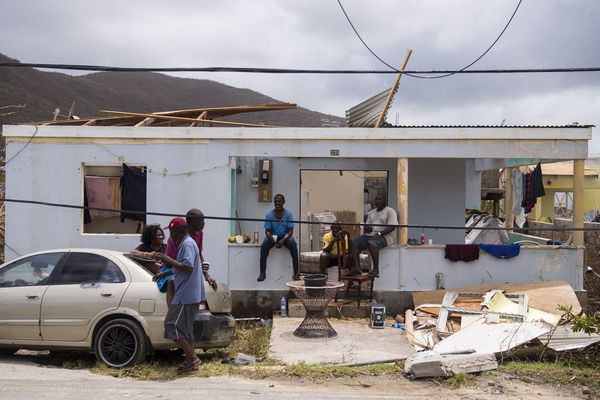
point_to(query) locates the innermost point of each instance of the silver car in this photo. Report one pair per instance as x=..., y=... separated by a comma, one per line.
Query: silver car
x=100, y=300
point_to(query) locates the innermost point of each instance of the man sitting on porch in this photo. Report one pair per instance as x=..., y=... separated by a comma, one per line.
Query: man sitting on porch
x=278, y=232
x=377, y=235
x=329, y=255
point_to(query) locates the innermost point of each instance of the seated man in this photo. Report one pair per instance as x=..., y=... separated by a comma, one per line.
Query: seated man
x=329, y=255
x=377, y=235
x=279, y=229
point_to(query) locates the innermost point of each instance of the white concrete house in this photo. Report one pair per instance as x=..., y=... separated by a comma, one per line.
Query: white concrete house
x=433, y=175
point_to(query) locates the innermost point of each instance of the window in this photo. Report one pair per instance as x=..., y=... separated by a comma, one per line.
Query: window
x=563, y=205
x=115, y=187
x=89, y=268
x=29, y=271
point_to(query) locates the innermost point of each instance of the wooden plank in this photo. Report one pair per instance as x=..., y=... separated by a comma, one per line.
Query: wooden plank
x=544, y=296
x=203, y=115
x=145, y=122
x=393, y=91
x=172, y=118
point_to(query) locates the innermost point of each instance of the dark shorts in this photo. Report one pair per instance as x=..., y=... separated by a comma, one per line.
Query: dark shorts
x=331, y=261
x=179, y=321
x=361, y=242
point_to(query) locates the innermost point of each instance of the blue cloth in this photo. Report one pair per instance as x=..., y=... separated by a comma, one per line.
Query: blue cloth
x=501, y=250
x=189, y=287
x=278, y=226
x=162, y=282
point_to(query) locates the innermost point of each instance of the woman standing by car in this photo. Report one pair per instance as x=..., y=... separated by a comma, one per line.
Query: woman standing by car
x=152, y=245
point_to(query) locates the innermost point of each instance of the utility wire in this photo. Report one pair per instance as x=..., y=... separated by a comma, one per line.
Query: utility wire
x=445, y=74
x=422, y=226
x=259, y=70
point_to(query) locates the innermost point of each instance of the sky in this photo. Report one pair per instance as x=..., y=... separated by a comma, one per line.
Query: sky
x=314, y=34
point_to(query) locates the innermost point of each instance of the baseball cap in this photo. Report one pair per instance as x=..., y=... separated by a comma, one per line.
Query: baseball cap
x=176, y=222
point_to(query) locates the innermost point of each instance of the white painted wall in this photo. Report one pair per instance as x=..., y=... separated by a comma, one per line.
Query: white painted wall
x=436, y=196
x=181, y=177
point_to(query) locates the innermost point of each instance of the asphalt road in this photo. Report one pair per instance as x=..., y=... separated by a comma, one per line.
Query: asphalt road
x=23, y=379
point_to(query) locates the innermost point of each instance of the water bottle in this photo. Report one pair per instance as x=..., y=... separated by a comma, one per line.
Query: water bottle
x=283, y=306
x=255, y=237
x=422, y=238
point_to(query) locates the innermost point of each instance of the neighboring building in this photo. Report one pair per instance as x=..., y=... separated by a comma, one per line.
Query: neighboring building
x=558, y=185
x=432, y=176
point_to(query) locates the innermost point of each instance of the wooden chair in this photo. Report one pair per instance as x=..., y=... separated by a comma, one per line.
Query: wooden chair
x=345, y=265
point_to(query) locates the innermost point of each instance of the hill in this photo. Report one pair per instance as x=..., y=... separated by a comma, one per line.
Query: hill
x=41, y=92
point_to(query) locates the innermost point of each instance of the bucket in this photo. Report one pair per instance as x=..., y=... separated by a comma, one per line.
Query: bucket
x=315, y=280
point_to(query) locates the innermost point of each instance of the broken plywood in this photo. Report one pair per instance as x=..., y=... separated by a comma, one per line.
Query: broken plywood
x=543, y=296
x=492, y=338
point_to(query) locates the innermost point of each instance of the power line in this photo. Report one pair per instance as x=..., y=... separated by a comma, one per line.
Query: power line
x=419, y=226
x=445, y=74
x=260, y=70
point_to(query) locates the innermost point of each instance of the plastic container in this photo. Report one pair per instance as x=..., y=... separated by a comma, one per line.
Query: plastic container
x=255, y=236
x=283, y=306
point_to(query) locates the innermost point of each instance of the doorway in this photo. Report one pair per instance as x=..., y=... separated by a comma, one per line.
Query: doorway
x=345, y=195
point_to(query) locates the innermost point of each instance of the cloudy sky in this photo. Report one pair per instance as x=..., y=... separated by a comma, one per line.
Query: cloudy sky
x=315, y=34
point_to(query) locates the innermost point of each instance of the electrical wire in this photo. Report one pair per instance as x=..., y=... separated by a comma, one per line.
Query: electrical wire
x=208, y=217
x=23, y=148
x=445, y=74
x=258, y=70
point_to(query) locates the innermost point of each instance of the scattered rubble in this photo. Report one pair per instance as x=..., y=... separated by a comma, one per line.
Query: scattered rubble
x=466, y=329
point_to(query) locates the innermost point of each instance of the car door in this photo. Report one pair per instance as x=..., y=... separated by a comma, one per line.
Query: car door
x=86, y=286
x=22, y=286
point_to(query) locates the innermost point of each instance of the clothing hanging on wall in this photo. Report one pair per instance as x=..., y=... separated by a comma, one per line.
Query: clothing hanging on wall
x=102, y=192
x=133, y=193
x=461, y=252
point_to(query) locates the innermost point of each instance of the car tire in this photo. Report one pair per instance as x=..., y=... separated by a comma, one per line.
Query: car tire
x=121, y=343
x=6, y=351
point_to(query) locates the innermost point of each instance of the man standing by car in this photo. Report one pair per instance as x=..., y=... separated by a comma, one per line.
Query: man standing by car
x=189, y=292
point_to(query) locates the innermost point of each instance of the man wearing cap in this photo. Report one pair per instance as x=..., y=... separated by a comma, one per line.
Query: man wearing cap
x=195, y=223
x=189, y=292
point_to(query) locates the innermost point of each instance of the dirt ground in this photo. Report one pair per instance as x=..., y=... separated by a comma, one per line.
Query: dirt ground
x=31, y=375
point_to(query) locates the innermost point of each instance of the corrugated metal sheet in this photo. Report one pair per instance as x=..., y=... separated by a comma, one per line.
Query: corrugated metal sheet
x=491, y=126
x=367, y=113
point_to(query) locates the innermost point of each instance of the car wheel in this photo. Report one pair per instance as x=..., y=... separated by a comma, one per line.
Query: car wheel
x=120, y=343
x=5, y=351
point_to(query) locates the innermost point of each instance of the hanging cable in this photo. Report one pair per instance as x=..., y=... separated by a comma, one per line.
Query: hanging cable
x=415, y=75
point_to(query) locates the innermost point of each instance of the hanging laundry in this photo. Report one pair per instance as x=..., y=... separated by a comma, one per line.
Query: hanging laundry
x=133, y=193
x=102, y=192
x=461, y=252
x=501, y=250
x=517, y=182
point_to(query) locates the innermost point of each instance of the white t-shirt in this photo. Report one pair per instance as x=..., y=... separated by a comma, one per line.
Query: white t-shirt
x=387, y=216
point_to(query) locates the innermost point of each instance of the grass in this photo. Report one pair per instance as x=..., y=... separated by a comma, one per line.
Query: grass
x=563, y=372
x=459, y=380
x=248, y=340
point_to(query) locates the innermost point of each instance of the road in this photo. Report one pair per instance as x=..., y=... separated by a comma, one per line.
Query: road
x=26, y=380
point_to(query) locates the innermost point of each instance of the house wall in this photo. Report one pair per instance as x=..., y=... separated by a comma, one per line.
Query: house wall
x=436, y=196
x=473, y=186
x=181, y=176
x=286, y=180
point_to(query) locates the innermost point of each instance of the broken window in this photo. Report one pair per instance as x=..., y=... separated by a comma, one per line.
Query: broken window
x=116, y=195
x=563, y=204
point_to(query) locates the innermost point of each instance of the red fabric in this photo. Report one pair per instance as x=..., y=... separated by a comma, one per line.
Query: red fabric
x=462, y=252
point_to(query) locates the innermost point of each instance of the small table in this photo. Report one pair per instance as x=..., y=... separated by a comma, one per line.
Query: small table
x=315, y=300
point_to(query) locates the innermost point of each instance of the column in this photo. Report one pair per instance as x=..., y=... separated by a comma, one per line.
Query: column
x=578, y=183
x=402, y=195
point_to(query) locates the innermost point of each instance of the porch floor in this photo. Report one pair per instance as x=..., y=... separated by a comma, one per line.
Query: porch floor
x=356, y=343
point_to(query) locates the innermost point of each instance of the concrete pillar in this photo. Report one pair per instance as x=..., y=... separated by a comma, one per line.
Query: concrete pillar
x=402, y=195
x=508, y=197
x=578, y=182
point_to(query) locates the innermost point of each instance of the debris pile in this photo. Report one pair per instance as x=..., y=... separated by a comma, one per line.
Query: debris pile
x=467, y=329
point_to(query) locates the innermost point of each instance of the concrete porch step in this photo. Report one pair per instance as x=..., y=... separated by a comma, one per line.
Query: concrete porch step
x=343, y=308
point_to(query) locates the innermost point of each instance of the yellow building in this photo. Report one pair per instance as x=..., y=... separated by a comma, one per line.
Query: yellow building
x=558, y=185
